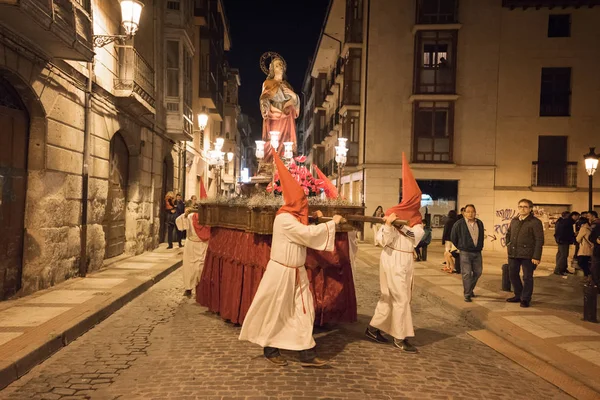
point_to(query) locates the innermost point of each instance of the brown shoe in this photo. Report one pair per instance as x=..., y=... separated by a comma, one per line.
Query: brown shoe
x=278, y=360
x=315, y=362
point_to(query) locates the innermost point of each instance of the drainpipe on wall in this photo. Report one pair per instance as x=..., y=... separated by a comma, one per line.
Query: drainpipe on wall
x=365, y=108
x=83, y=256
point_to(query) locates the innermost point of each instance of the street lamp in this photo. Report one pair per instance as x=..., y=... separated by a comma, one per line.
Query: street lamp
x=131, y=11
x=591, y=164
x=202, y=121
x=340, y=157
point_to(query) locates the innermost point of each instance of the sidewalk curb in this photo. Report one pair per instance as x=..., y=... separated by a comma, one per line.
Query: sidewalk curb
x=478, y=317
x=11, y=370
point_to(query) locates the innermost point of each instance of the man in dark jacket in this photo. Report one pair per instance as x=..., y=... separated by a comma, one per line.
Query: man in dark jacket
x=564, y=235
x=467, y=236
x=524, y=241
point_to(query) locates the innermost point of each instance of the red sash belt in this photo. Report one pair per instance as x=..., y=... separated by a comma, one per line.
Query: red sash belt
x=297, y=281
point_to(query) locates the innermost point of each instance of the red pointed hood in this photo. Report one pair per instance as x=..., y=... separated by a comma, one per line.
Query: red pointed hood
x=203, y=194
x=295, y=201
x=330, y=190
x=408, y=209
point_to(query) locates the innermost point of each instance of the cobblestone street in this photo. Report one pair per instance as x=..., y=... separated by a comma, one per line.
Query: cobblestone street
x=163, y=345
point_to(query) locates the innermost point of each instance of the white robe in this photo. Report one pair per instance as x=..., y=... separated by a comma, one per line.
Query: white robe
x=194, y=252
x=282, y=312
x=392, y=314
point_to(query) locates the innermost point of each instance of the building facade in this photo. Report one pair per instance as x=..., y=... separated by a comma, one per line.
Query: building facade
x=96, y=132
x=490, y=100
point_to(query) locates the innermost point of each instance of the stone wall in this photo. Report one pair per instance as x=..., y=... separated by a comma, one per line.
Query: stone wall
x=55, y=100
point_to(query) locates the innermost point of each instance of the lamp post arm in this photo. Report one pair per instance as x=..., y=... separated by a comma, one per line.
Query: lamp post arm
x=102, y=40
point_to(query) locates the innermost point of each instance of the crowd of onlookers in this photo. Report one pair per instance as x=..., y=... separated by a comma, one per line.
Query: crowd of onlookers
x=174, y=207
x=581, y=230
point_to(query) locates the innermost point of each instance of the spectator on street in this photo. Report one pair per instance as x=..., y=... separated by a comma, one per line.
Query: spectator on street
x=375, y=227
x=583, y=219
x=170, y=217
x=524, y=241
x=595, y=239
x=467, y=235
x=421, y=248
x=586, y=247
x=565, y=236
x=447, y=243
x=179, y=210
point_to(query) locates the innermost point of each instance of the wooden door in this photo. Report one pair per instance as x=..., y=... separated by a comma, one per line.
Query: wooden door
x=13, y=184
x=116, y=203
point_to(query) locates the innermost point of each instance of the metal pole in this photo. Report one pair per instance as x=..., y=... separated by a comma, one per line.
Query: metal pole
x=590, y=195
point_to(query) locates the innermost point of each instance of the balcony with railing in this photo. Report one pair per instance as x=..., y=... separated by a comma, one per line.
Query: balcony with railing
x=179, y=16
x=134, y=86
x=437, y=11
x=60, y=28
x=554, y=174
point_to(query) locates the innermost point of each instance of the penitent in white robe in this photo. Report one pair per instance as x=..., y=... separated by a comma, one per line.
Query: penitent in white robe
x=282, y=312
x=194, y=252
x=392, y=314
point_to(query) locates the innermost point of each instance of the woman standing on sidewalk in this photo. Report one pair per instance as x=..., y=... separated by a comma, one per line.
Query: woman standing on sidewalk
x=586, y=247
x=447, y=243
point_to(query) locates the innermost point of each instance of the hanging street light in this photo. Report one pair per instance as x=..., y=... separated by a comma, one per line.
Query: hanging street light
x=131, y=11
x=591, y=164
x=202, y=120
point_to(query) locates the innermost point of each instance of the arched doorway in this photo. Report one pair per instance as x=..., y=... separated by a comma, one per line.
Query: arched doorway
x=14, y=129
x=116, y=202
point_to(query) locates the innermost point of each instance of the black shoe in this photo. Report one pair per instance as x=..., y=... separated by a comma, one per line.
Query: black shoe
x=514, y=299
x=180, y=245
x=468, y=299
x=376, y=336
x=405, y=346
x=187, y=293
x=473, y=295
x=314, y=362
x=169, y=247
x=278, y=360
x=524, y=303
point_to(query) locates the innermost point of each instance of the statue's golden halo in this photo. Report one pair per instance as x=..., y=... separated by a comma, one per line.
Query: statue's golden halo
x=270, y=55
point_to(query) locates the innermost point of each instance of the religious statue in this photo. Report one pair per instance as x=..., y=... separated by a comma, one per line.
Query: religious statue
x=279, y=105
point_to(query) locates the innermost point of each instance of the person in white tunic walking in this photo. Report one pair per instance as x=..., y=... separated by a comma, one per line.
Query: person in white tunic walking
x=282, y=313
x=196, y=244
x=392, y=314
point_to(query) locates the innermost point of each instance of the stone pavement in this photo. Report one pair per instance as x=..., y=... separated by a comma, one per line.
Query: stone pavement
x=33, y=327
x=165, y=346
x=551, y=330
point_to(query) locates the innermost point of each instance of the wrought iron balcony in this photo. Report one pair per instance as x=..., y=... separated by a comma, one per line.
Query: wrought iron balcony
x=554, y=174
x=60, y=28
x=135, y=80
x=524, y=4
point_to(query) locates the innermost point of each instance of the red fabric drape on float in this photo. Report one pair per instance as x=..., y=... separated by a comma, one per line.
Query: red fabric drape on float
x=235, y=263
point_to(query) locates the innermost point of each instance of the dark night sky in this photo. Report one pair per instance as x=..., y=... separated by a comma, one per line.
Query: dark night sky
x=257, y=26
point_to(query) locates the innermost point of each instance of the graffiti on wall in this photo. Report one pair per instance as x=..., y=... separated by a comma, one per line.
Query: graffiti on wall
x=500, y=229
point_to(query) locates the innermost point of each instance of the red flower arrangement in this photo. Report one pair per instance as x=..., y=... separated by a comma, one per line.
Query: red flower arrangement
x=312, y=187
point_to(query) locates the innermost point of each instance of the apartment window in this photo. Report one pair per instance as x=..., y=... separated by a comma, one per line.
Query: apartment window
x=350, y=126
x=352, y=77
x=435, y=63
x=555, y=94
x=173, y=4
x=559, y=25
x=354, y=21
x=172, y=68
x=437, y=11
x=433, y=127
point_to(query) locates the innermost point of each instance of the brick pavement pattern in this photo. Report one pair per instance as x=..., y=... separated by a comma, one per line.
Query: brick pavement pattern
x=164, y=346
